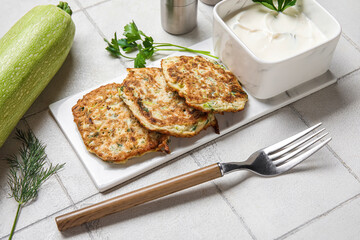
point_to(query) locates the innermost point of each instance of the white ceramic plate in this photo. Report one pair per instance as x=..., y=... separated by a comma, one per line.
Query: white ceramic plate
x=107, y=175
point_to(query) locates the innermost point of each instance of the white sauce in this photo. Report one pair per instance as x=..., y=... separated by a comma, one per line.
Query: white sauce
x=274, y=36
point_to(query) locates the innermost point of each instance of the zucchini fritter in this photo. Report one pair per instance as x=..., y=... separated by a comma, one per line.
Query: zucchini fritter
x=110, y=130
x=204, y=85
x=160, y=109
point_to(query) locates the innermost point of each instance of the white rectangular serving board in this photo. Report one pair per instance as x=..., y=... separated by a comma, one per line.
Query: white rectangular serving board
x=106, y=175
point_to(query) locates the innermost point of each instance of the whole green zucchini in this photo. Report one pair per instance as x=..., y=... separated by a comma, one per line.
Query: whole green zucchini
x=31, y=52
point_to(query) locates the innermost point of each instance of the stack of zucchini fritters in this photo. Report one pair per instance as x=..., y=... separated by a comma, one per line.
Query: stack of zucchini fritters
x=120, y=121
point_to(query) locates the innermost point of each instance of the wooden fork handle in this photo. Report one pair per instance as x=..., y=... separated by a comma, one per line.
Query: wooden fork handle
x=137, y=197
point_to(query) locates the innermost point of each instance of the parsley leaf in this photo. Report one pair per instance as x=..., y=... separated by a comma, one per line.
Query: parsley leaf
x=281, y=4
x=127, y=46
x=140, y=60
x=131, y=32
x=267, y=3
x=135, y=39
x=289, y=3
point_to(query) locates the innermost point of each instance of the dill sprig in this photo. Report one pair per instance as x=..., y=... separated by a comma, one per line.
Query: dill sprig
x=28, y=171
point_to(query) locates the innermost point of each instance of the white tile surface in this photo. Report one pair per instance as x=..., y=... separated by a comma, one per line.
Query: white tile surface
x=338, y=106
x=347, y=14
x=206, y=10
x=346, y=58
x=89, y=3
x=74, y=177
x=341, y=223
x=272, y=206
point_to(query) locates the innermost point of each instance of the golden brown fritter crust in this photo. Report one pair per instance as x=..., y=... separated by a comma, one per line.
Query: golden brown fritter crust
x=204, y=85
x=158, y=108
x=110, y=130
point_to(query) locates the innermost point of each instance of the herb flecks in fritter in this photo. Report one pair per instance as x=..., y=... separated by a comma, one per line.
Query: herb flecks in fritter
x=204, y=85
x=159, y=108
x=110, y=130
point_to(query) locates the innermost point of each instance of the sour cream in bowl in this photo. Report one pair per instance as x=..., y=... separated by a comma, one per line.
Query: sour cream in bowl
x=271, y=52
x=273, y=35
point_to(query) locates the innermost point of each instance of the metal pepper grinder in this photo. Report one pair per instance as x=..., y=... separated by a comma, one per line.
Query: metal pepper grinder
x=178, y=16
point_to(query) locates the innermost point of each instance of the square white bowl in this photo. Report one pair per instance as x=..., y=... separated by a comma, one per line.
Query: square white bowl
x=265, y=79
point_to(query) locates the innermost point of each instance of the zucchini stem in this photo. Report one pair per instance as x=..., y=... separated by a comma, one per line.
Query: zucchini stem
x=65, y=6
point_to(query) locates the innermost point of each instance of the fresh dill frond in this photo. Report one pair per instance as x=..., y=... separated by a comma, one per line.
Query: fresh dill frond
x=28, y=171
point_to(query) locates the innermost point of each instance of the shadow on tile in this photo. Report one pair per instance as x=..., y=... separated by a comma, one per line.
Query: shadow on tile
x=9, y=148
x=72, y=232
x=160, y=205
x=327, y=102
x=172, y=201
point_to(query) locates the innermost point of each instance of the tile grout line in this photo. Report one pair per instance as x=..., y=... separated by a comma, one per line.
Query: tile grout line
x=94, y=5
x=309, y=222
x=240, y=218
x=84, y=10
x=92, y=22
x=342, y=162
x=347, y=38
x=86, y=225
x=64, y=188
x=204, y=13
x=52, y=214
x=333, y=153
x=347, y=74
x=37, y=221
x=35, y=113
x=234, y=211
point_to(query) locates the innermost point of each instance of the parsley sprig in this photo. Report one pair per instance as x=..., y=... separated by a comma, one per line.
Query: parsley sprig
x=281, y=4
x=28, y=171
x=136, y=39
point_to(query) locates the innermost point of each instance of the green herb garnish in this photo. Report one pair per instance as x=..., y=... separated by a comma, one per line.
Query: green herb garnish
x=28, y=172
x=279, y=7
x=208, y=106
x=135, y=39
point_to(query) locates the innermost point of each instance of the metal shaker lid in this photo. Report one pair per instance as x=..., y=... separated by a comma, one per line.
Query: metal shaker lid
x=178, y=3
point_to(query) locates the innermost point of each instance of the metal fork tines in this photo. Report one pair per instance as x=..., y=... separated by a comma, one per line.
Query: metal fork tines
x=282, y=156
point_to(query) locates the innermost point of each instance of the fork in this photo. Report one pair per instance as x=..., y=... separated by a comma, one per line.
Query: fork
x=267, y=162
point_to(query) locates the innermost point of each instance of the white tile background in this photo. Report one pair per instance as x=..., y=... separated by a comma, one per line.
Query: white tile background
x=320, y=199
